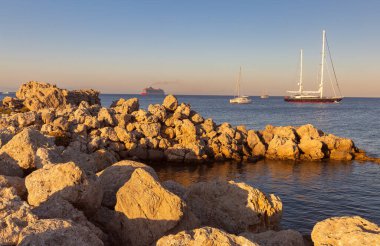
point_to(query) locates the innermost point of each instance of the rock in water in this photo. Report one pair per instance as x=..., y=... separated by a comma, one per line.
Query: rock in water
x=233, y=207
x=204, y=236
x=347, y=231
x=57, y=232
x=66, y=181
x=146, y=209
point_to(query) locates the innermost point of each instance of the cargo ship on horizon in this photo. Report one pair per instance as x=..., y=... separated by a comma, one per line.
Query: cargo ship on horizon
x=150, y=91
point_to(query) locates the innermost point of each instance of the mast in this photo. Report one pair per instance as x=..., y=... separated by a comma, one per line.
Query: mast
x=300, y=82
x=238, y=83
x=322, y=62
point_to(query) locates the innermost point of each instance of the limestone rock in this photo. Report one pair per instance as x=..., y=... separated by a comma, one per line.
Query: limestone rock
x=146, y=209
x=58, y=208
x=41, y=95
x=273, y=238
x=287, y=132
x=67, y=181
x=309, y=130
x=348, y=231
x=57, y=232
x=170, y=103
x=158, y=110
x=233, y=207
x=204, y=236
x=255, y=143
x=88, y=96
x=15, y=214
x=123, y=106
x=340, y=155
x=311, y=148
x=115, y=176
x=16, y=182
x=282, y=148
x=21, y=149
x=150, y=129
x=174, y=188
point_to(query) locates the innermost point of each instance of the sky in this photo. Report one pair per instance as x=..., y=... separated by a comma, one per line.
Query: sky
x=189, y=47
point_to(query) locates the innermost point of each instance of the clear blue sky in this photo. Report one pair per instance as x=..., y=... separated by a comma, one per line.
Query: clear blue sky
x=195, y=46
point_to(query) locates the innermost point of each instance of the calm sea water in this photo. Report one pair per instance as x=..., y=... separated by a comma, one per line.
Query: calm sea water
x=310, y=191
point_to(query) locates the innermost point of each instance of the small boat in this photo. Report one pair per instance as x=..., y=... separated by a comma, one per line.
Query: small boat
x=264, y=96
x=302, y=96
x=240, y=99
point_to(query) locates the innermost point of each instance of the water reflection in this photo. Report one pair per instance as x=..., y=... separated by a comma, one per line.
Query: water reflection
x=310, y=191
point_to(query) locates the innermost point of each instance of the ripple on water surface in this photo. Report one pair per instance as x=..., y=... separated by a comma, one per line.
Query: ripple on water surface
x=310, y=191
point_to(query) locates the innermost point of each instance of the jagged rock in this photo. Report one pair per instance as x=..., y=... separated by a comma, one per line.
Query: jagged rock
x=146, y=210
x=16, y=182
x=123, y=106
x=340, y=155
x=196, y=118
x=27, y=118
x=309, y=130
x=58, y=208
x=15, y=214
x=88, y=96
x=106, y=116
x=272, y=238
x=21, y=149
x=6, y=134
x=106, y=219
x=170, y=103
x=12, y=103
x=37, y=95
x=347, y=231
x=158, y=110
x=57, y=232
x=182, y=111
x=311, y=148
x=150, y=129
x=115, y=176
x=108, y=133
x=233, y=207
x=254, y=142
x=204, y=236
x=67, y=181
x=282, y=148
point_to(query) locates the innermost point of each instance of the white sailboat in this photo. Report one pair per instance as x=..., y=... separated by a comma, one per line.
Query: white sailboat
x=303, y=96
x=240, y=99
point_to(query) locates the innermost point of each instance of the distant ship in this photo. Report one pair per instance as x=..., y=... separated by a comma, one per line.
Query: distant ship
x=240, y=99
x=264, y=96
x=302, y=96
x=152, y=91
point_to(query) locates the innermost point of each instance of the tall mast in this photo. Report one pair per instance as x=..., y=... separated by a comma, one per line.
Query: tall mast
x=322, y=62
x=300, y=82
x=238, y=85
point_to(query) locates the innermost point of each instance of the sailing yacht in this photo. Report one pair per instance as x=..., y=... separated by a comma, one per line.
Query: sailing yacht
x=302, y=96
x=240, y=99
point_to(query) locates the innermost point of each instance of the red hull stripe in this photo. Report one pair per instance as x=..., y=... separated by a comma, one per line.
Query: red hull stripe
x=309, y=100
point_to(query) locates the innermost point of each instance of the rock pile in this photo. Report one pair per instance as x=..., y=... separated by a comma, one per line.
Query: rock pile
x=170, y=131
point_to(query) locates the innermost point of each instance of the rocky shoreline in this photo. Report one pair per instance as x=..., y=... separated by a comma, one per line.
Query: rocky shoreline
x=70, y=174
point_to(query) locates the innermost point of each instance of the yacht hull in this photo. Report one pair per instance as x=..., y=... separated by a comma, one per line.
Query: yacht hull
x=313, y=100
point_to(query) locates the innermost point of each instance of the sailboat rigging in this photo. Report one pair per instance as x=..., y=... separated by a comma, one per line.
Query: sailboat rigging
x=303, y=96
x=240, y=99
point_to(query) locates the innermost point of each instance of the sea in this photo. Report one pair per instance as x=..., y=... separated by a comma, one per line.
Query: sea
x=310, y=191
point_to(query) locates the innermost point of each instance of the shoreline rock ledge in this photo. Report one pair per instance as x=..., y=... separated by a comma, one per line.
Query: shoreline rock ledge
x=170, y=131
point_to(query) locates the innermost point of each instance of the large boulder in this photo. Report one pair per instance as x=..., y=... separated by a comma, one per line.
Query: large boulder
x=114, y=177
x=38, y=95
x=146, y=210
x=57, y=232
x=310, y=131
x=75, y=97
x=347, y=231
x=272, y=238
x=67, y=181
x=15, y=214
x=204, y=236
x=233, y=207
x=21, y=149
x=123, y=106
x=255, y=143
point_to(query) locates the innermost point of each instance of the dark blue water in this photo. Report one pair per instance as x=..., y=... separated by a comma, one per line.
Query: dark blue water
x=310, y=191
